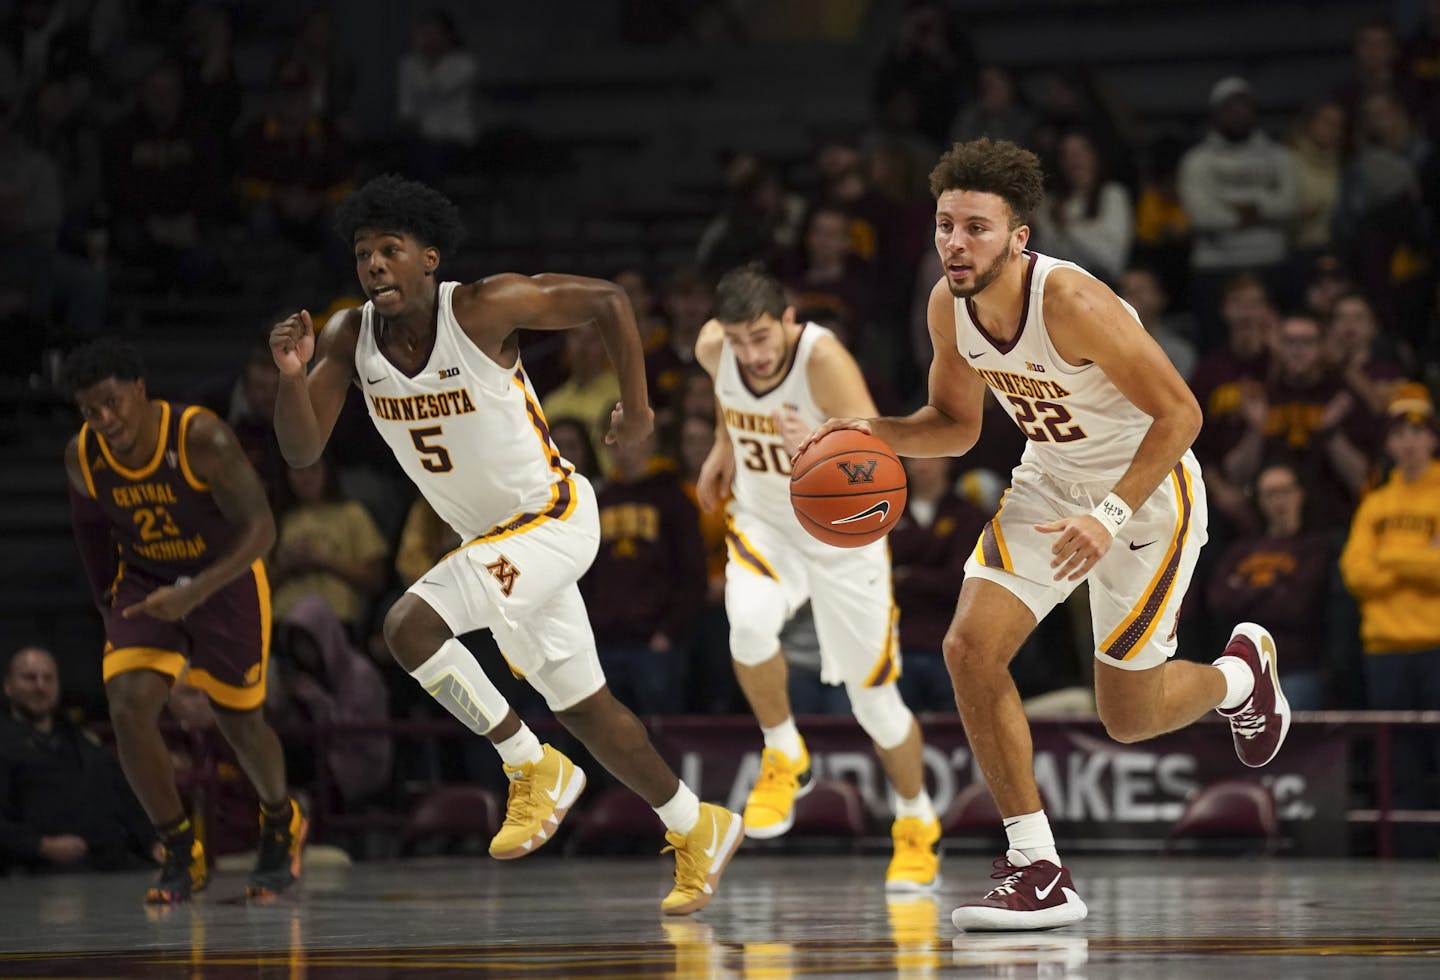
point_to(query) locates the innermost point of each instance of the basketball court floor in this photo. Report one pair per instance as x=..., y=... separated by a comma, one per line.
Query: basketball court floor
x=775, y=917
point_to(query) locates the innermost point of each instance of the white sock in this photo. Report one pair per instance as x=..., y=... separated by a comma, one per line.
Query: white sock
x=454, y=678
x=920, y=806
x=681, y=812
x=785, y=737
x=1030, y=835
x=520, y=748
x=1239, y=681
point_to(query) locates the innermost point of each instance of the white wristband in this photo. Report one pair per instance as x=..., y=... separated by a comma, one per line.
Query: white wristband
x=1113, y=513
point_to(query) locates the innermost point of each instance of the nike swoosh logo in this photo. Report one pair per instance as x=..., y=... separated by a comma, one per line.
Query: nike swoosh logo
x=376, y=381
x=1137, y=547
x=1044, y=893
x=438, y=585
x=709, y=852
x=882, y=508
x=973, y=355
x=554, y=794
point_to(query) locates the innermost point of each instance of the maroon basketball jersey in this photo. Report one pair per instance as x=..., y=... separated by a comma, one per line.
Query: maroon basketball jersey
x=162, y=517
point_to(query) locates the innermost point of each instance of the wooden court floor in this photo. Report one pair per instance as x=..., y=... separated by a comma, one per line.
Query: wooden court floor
x=775, y=917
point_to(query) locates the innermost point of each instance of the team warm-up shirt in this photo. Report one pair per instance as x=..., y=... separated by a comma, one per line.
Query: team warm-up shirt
x=163, y=518
x=1079, y=427
x=466, y=430
x=762, y=465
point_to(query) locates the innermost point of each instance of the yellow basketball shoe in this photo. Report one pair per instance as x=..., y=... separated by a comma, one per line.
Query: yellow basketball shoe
x=541, y=793
x=770, y=808
x=915, y=866
x=700, y=858
x=183, y=872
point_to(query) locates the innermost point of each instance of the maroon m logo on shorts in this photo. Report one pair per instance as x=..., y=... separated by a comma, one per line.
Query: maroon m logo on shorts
x=505, y=573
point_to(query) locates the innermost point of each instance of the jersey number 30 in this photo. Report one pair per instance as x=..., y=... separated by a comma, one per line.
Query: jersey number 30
x=433, y=457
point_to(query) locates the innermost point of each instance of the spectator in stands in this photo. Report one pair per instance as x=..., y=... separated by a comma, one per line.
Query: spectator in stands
x=1162, y=226
x=1085, y=218
x=213, y=98
x=165, y=181
x=46, y=295
x=1354, y=347
x=997, y=111
x=1238, y=186
x=1374, y=70
x=648, y=581
x=590, y=389
x=826, y=274
x=929, y=545
x=1141, y=288
x=1282, y=576
x=1324, y=283
x=686, y=300
x=46, y=43
x=1391, y=563
x=294, y=168
x=572, y=437
x=1383, y=223
x=713, y=688
x=649, y=319
x=1305, y=412
x=247, y=403
x=760, y=217
x=1221, y=383
x=1318, y=145
x=64, y=803
x=328, y=71
x=1071, y=99
x=436, y=89
x=931, y=61
x=425, y=538
x=320, y=678
x=327, y=545
x=58, y=123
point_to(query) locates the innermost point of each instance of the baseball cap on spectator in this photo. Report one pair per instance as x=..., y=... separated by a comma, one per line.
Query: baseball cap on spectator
x=1412, y=404
x=1227, y=88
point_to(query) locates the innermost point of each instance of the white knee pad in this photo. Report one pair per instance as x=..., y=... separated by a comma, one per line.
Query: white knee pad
x=751, y=646
x=881, y=712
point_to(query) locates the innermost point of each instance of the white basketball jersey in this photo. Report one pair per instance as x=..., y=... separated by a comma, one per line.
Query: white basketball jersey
x=466, y=430
x=762, y=466
x=1080, y=428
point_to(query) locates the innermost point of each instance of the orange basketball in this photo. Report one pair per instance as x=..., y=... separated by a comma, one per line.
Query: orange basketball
x=848, y=489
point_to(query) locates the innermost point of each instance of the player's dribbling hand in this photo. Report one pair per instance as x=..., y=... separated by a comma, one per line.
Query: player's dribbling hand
x=292, y=343
x=628, y=428
x=1083, y=541
x=167, y=603
x=830, y=425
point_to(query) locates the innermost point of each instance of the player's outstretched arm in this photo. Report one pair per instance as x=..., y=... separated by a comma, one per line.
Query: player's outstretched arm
x=949, y=423
x=217, y=459
x=497, y=306
x=309, y=403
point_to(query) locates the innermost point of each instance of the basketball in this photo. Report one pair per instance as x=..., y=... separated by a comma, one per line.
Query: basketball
x=848, y=489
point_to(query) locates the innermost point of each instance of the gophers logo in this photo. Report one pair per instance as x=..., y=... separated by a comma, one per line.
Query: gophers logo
x=505, y=573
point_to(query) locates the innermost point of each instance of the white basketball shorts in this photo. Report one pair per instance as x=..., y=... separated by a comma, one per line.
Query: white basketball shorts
x=1135, y=590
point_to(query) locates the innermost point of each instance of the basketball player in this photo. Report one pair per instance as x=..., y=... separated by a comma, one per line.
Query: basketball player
x=171, y=522
x=1106, y=490
x=439, y=363
x=775, y=379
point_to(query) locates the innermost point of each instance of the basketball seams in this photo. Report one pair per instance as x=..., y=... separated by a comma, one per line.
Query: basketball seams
x=858, y=493
x=797, y=474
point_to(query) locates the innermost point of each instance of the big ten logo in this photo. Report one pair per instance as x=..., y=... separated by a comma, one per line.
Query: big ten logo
x=449, y=372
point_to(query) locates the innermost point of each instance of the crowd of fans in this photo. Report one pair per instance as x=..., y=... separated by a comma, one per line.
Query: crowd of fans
x=1290, y=276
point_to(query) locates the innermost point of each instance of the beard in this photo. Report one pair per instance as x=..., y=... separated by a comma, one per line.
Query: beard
x=983, y=277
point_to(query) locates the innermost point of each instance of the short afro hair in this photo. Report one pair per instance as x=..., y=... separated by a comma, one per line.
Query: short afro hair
x=993, y=167
x=392, y=203
x=100, y=360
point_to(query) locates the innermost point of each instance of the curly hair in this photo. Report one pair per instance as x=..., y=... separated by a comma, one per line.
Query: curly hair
x=100, y=360
x=993, y=167
x=748, y=293
x=392, y=203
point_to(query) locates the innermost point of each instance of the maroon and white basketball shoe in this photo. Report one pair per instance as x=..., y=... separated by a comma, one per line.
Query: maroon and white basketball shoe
x=1260, y=723
x=1035, y=896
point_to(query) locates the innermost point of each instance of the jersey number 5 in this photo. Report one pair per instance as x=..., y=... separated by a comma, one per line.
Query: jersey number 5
x=434, y=458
